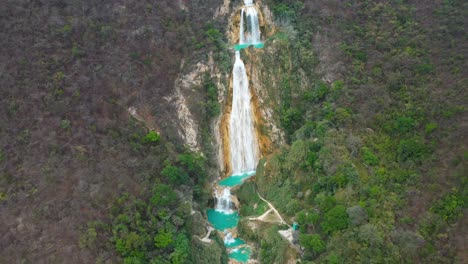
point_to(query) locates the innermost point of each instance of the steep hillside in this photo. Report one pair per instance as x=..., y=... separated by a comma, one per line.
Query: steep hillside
x=82, y=84
x=372, y=98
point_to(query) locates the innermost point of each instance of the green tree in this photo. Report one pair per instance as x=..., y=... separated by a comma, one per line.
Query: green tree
x=450, y=207
x=212, y=106
x=163, y=239
x=321, y=90
x=175, y=174
x=291, y=120
x=335, y=219
x=369, y=157
x=297, y=155
x=163, y=195
x=193, y=163
x=181, y=251
x=313, y=243
x=130, y=245
x=412, y=149
x=151, y=138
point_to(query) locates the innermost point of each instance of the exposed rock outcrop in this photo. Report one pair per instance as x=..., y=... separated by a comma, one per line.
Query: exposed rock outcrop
x=188, y=128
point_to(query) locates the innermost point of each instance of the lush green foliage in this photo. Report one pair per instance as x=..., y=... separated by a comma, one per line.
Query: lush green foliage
x=334, y=220
x=211, y=103
x=155, y=231
x=175, y=174
x=313, y=243
x=152, y=137
x=362, y=169
x=154, y=228
x=369, y=157
x=450, y=206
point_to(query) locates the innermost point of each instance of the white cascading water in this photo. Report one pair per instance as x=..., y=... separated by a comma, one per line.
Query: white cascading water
x=228, y=239
x=250, y=32
x=242, y=137
x=223, y=201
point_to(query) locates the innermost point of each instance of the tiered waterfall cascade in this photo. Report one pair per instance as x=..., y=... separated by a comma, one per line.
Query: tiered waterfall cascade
x=244, y=150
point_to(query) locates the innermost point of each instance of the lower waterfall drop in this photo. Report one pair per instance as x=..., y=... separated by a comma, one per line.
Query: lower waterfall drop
x=223, y=201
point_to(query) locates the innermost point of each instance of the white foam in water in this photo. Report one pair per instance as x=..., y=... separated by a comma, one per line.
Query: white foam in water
x=243, y=142
x=247, y=173
x=228, y=239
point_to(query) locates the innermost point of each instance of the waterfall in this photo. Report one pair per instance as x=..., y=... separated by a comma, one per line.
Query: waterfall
x=241, y=31
x=250, y=32
x=223, y=201
x=228, y=239
x=243, y=143
x=244, y=149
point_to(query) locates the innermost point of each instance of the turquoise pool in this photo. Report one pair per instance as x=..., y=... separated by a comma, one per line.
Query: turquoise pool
x=237, y=242
x=222, y=221
x=236, y=179
x=241, y=254
x=246, y=45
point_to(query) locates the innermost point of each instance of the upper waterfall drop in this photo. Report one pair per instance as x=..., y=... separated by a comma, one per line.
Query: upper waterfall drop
x=242, y=137
x=249, y=32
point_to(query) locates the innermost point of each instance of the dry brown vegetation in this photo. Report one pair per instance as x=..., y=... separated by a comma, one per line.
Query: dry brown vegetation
x=68, y=147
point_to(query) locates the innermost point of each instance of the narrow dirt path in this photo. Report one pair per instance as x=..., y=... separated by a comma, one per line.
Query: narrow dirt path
x=207, y=239
x=272, y=208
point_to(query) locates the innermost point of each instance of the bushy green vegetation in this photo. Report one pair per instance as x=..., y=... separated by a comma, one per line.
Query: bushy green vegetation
x=450, y=206
x=211, y=103
x=335, y=219
x=152, y=137
x=145, y=232
x=156, y=228
x=313, y=243
x=216, y=42
x=362, y=172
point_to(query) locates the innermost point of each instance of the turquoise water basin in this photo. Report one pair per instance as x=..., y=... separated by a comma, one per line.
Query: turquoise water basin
x=246, y=45
x=237, y=242
x=222, y=221
x=236, y=179
x=241, y=254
